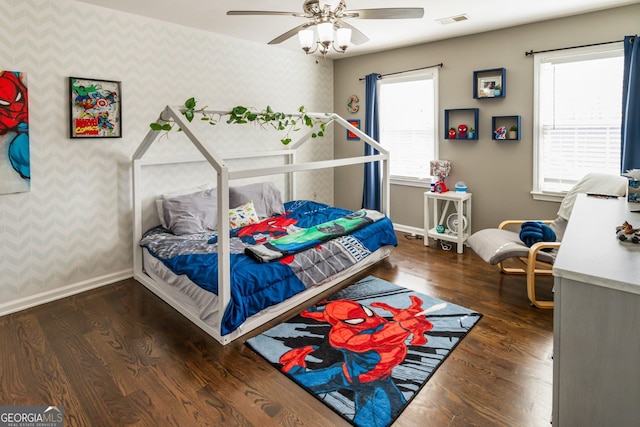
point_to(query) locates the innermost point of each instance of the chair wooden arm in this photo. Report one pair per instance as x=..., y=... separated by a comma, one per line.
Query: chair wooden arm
x=510, y=222
x=531, y=271
x=532, y=266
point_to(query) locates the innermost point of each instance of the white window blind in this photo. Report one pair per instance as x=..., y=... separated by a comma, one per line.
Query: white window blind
x=408, y=118
x=578, y=115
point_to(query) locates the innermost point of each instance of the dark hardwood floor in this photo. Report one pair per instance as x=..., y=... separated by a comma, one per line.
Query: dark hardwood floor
x=118, y=356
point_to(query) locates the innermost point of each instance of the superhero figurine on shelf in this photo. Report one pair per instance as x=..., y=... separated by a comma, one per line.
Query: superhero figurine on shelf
x=501, y=133
x=462, y=131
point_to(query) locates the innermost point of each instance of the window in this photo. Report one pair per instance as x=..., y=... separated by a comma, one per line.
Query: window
x=578, y=107
x=408, y=118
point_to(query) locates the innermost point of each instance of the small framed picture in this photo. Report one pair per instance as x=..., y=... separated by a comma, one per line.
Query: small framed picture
x=95, y=108
x=350, y=135
x=489, y=87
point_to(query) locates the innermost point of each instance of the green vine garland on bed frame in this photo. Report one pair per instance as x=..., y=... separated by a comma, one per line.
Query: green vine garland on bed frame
x=243, y=115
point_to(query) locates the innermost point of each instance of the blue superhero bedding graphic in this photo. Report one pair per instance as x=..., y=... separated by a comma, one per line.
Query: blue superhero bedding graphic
x=14, y=121
x=310, y=237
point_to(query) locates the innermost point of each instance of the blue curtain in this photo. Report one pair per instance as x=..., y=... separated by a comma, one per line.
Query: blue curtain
x=372, y=184
x=630, y=158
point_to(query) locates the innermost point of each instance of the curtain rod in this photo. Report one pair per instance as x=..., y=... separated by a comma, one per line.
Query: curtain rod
x=406, y=71
x=531, y=52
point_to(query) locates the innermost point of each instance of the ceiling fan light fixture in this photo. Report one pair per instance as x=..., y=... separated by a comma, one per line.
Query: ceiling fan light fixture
x=306, y=39
x=325, y=32
x=343, y=38
x=327, y=16
x=325, y=39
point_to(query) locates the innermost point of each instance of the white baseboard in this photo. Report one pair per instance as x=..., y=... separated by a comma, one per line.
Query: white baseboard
x=65, y=291
x=408, y=229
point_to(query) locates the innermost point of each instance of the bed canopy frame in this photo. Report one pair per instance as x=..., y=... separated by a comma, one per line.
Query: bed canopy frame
x=224, y=177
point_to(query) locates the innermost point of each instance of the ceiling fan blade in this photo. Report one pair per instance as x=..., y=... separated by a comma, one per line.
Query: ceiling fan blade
x=357, y=36
x=264, y=12
x=388, y=13
x=292, y=32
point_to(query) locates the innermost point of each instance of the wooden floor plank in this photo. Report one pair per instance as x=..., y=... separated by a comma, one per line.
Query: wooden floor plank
x=119, y=353
x=81, y=363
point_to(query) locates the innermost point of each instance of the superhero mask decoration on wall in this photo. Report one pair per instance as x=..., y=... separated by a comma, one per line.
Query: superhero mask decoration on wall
x=462, y=131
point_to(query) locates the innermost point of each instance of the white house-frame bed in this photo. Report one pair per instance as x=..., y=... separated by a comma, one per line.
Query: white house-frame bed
x=224, y=177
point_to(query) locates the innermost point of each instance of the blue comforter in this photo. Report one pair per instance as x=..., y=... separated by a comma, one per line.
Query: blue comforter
x=254, y=285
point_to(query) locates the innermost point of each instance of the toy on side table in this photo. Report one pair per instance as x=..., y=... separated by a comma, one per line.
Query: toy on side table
x=440, y=169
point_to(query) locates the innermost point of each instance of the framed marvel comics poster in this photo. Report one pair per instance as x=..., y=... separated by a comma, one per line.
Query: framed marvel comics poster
x=95, y=108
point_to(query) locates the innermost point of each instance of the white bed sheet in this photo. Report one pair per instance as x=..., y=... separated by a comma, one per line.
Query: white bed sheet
x=198, y=301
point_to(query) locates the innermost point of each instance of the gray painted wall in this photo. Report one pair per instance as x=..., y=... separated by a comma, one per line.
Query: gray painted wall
x=499, y=174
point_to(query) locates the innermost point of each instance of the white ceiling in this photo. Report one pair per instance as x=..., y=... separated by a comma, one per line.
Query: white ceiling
x=484, y=15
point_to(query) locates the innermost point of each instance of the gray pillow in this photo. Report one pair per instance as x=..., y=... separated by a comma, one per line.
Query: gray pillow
x=191, y=213
x=267, y=199
x=173, y=194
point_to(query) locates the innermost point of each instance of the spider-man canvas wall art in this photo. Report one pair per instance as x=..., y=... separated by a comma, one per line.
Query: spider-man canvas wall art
x=15, y=168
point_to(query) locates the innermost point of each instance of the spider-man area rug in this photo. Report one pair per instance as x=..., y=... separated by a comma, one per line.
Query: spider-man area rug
x=367, y=350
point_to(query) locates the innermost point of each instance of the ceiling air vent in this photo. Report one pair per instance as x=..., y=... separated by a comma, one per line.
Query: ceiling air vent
x=452, y=19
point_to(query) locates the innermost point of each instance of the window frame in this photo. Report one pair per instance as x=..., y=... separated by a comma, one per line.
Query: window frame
x=424, y=74
x=591, y=52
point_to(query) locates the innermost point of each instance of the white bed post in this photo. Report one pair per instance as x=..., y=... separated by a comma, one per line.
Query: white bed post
x=224, y=249
x=137, y=215
x=149, y=138
x=385, y=201
x=224, y=261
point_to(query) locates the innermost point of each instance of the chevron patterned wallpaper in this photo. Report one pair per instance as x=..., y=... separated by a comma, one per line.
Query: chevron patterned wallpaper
x=73, y=230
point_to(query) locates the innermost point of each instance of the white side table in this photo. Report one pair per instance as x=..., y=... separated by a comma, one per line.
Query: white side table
x=441, y=206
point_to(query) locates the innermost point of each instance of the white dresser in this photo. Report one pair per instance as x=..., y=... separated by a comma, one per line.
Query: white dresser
x=596, y=364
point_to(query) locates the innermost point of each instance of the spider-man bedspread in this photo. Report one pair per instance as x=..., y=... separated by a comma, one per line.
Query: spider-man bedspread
x=256, y=285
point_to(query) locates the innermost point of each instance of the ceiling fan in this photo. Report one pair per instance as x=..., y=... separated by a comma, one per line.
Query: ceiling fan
x=329, y=15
